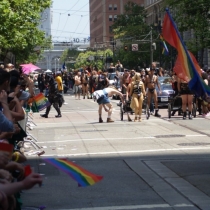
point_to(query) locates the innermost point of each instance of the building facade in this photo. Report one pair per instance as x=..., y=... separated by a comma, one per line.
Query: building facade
x=103, y=13
x=51, y=57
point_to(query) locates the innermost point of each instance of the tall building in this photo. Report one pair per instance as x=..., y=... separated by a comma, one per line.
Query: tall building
x=102, y=16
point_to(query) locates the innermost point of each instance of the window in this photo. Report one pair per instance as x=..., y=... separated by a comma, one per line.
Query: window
x=115, y=7
x=115, y=17
x=110, y=6
x=110, y=29
x=110, y=17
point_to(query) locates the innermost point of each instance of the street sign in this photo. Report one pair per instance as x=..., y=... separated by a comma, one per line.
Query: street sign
x=91, y=58
x=135, y=47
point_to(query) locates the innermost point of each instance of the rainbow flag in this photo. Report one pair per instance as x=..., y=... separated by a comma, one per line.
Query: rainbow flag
x=41, y=101
x=79, y=174
x=165, y=48
x=186, y=66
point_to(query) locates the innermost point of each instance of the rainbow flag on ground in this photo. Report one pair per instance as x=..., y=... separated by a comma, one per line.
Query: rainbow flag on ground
x=79, y=174
x=165, y=48
x=41, y=101
x=186, y=66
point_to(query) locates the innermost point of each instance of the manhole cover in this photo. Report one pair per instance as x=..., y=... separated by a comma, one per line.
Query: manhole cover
x=169, y=136
x=194, y=144
x=93, y=130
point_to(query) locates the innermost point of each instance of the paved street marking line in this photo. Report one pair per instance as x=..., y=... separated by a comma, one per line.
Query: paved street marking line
x=199, y=135
x=152, y=206
x=96, y=139
x=130, y=152
x=108, y=139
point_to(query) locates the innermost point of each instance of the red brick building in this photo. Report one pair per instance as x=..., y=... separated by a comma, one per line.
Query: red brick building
x=102, y=15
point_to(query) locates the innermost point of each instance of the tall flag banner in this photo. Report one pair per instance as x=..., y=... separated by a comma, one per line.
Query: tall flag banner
x=165, y=48
x=186, y=66
x=79, y=174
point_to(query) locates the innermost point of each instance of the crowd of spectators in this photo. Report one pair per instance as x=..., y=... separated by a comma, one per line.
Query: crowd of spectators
x=16, y=89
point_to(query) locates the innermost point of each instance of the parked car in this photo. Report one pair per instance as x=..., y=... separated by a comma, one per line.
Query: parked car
x=166, y=91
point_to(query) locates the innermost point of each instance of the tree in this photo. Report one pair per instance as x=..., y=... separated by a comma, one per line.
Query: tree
x=98, y=60
x=19, y=33
x=129, y=28
x=69, y=55
x=193, y=15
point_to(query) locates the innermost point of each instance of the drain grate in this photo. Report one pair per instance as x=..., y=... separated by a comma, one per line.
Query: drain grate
x=194, y=144
x=169, y=136
x=94, y=130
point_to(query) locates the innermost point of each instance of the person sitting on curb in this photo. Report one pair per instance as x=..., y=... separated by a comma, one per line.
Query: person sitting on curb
x=102, y=97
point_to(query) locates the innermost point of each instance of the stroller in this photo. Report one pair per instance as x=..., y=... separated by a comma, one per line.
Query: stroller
x=175, y=104
x=125, y=108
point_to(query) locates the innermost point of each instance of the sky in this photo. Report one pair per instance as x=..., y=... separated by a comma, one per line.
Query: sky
x=70, y=20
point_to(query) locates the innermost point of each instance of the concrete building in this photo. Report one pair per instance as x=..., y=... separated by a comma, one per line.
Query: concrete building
x=102, y=15
x=51, y=57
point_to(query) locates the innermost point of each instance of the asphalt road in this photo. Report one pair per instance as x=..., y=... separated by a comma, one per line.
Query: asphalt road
x=155, y=164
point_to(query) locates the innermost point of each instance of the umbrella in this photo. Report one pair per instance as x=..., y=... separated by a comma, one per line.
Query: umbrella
x=28, y=68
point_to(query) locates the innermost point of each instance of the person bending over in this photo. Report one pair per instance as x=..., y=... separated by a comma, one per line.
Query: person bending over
x=102, y=97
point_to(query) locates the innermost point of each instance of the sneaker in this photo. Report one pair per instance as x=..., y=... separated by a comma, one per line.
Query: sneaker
x=57, y=116
x=65, y=103
x=151, y=113
x=203, y=115
x=109, y=120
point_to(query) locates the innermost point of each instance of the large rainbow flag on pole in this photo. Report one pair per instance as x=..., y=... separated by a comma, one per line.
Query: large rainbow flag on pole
x=79, y=174
x=186, y=66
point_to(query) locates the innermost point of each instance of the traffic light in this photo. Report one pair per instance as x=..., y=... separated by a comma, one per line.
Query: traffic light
x=126, y=48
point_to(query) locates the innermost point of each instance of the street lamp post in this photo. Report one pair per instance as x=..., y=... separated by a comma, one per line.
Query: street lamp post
x=55, y=65
x=56, y=59
x=151, y=48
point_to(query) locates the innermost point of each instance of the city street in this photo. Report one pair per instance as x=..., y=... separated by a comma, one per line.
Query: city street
x=154, y=164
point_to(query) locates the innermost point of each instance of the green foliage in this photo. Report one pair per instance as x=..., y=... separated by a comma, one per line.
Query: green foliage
x=192, y=15
x=18, y=29
x=129, y=28
x=99, y=58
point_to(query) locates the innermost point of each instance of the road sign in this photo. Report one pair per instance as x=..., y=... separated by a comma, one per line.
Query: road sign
x=135, y=47
x=91, y=58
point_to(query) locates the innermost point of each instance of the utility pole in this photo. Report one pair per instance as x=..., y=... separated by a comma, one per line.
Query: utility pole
x=151, y=48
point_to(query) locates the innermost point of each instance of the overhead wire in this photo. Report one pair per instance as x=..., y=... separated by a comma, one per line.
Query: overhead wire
x=72, y=7
x=58, y=22
x=62, y=31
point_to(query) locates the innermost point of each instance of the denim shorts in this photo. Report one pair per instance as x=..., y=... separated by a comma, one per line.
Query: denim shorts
x=104, y=99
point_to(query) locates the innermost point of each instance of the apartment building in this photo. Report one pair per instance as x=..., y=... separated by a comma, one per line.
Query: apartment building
x=103, y=13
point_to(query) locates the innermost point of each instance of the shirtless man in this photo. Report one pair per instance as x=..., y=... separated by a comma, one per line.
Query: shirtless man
x=77, y=85
x=150, y=82
x=102, y=97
